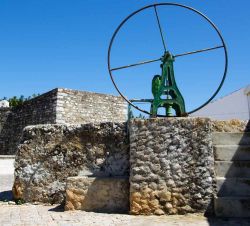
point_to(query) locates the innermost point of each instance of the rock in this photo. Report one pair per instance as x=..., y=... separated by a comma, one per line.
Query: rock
x=159, y=212
x=168, y=206
x=165, y=195
x=180, y=163
x=172, y=211
x=49, y=154
x=154, y=204
x=105, y=194
x=17, y=190
x=186, y=209
x=11, y=203
x=233, y=125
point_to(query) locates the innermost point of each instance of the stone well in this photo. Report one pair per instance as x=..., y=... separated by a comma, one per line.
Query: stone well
x=155, y=166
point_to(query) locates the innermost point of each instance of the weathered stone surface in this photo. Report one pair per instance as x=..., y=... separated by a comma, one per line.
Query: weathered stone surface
x=172, y=166
x=233, y=125
x=48, y=154
x=58, y=106
x=84, y=107
x=102, y=194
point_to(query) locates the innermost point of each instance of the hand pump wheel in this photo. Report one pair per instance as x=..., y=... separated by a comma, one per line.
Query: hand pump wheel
x=164, y=88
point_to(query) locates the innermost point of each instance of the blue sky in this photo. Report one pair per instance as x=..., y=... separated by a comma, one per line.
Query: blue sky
x=46, y=44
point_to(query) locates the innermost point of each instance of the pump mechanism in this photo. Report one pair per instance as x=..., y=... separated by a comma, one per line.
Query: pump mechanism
x=165, y=91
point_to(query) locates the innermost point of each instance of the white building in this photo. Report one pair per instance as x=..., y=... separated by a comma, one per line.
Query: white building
x=233, y=106
x=4, y=104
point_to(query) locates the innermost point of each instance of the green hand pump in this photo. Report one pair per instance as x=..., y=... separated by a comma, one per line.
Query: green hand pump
x=165, y=91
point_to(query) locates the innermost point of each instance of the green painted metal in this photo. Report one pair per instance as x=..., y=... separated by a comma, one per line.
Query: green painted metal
x=165, y=91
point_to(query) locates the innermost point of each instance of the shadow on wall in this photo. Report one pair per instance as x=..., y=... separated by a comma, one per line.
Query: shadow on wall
x=98, y=194
x=4, y=119
x=12, y=127
x=38, y=110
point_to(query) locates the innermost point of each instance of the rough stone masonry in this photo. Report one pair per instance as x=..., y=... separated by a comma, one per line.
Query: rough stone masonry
x=55, y=107
x=171, y=166
x=49, y=154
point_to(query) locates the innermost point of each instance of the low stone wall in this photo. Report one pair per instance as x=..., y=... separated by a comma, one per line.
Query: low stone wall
x=98, y=194
x=86, y=107
x=58, y=106
x=39, y=110
x=171, y=166
x=49, y=154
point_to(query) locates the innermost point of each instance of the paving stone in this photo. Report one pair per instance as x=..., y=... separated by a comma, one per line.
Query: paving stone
x=21, y=215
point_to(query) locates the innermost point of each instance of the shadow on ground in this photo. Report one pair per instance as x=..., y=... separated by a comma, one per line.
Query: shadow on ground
x=59, y=208
x=224, y=221
x=6, y=196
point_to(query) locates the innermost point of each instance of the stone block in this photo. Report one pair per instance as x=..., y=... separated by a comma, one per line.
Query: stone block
x=58, y=106
x=232, y=152
x=234, y=125
x=172, y=166
x=98, y=194
x=238, y=138
x=49, y=154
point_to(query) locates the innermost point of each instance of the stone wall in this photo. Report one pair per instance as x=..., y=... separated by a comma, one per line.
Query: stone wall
x=49, y=154
x=58, y=106
x=171, y=166
x=98, y=194
x=86, y=107
x=3, y=117
x=233, y=125
x=39, y=110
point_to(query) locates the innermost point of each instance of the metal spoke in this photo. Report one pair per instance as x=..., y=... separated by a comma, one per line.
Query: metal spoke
x=159, y=25
x=142, y=101
x=137, y=64
x=198, y=51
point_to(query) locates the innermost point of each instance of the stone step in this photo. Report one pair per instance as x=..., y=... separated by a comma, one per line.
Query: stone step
x=231, y=152
x=232, y=206
x=231, y=138
x=97, y=194
x=228, y=169
x=234, y=187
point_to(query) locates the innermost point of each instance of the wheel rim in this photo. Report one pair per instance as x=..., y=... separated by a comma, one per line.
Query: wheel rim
x=177, y=5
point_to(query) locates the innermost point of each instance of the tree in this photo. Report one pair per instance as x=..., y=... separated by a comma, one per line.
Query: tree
x=16, y=101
